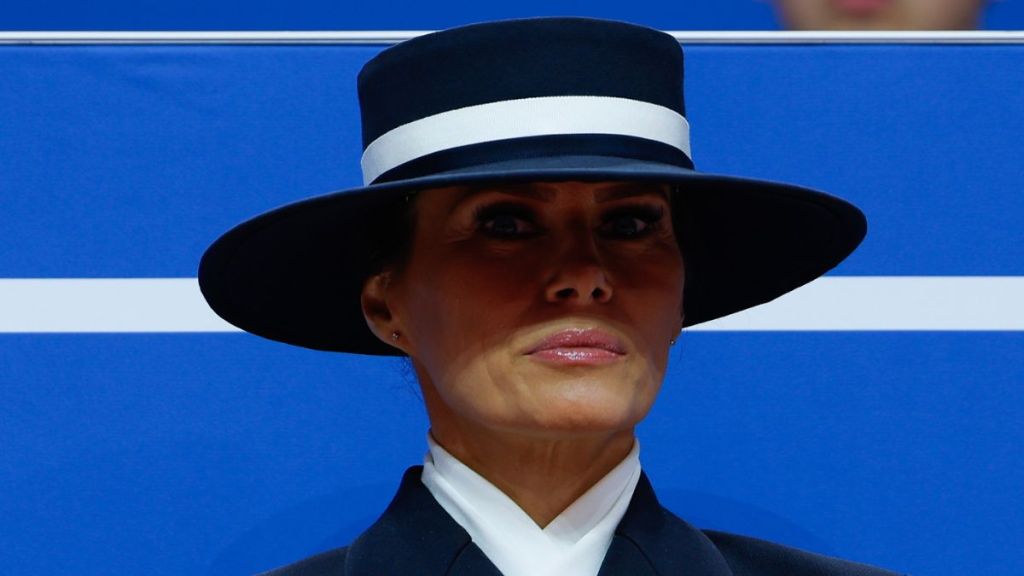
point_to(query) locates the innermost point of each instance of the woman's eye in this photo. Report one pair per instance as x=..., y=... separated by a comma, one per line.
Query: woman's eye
x=632, y=224
x=626, y=226
x=506, y=224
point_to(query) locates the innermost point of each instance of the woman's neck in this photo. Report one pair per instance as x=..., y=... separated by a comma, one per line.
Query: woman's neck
x=543, y=475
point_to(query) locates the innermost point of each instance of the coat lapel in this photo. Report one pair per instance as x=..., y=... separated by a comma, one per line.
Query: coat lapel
x=652, y=541
x=416, y=536
x=472, y=562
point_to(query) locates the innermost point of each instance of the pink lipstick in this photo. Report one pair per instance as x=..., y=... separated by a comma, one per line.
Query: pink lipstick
x=578, y=347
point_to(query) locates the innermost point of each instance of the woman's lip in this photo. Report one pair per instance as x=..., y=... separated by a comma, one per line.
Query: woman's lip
x=579, y=342
x=576, y=356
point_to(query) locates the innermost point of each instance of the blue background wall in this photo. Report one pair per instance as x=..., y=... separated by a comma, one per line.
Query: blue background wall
x=401, y=14
x=225, y=454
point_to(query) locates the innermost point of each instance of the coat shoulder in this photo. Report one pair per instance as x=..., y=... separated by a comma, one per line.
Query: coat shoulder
x=330, y=563
x=748, y=556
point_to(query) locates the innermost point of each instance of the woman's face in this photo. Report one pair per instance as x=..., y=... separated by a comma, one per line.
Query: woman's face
x=540, y=308
x=881, y=14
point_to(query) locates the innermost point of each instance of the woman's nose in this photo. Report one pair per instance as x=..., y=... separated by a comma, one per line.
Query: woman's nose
x=579, y=277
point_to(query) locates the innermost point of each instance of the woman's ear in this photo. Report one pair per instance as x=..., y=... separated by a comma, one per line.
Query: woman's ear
x=377, y=309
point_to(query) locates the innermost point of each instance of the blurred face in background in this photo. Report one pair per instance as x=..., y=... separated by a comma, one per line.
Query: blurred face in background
x=880, y=14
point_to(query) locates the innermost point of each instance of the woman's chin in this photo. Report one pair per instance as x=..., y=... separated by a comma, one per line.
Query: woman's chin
x=586, y=398
x=576, y=415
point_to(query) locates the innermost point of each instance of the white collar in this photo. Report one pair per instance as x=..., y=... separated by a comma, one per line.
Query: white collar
x=573, y=544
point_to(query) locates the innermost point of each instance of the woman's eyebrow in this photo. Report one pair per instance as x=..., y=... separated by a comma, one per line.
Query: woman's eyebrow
x=547, y=193
x=629, y=191
x=522, y=191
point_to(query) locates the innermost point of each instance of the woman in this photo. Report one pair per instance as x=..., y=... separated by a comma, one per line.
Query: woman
x=881, y=14
x=533, y=236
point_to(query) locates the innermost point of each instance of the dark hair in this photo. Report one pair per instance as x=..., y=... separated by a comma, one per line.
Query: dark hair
x=391, y=231
x=687, y=231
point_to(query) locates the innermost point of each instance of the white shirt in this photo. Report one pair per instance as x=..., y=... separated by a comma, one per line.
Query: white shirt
x=573, y=544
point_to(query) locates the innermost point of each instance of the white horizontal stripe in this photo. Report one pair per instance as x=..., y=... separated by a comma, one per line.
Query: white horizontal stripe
x=525, y=117
x=106, y=305
x=890, y=303
x=394, y=36
x=939, y=303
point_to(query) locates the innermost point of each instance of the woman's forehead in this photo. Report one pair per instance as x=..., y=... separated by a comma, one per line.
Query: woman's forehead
x=602, y=191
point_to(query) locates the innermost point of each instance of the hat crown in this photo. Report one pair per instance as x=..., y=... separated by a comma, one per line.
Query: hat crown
x=517, y=59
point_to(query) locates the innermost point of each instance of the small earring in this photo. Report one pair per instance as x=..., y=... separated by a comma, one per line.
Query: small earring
x=395, y=336
x=672, y=342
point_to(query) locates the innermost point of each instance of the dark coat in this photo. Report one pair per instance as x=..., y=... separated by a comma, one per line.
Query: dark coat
x=415, y=536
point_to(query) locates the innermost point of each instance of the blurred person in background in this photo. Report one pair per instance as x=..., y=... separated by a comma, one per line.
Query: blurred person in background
x=880, y=14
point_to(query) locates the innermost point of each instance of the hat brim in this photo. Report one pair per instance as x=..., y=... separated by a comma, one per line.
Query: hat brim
x=295, y=274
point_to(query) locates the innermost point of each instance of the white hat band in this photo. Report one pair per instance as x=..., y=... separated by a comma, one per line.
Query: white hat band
x=508, y=119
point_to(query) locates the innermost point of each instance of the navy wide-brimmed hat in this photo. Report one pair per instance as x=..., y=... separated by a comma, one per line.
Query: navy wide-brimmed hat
x=551, y=99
